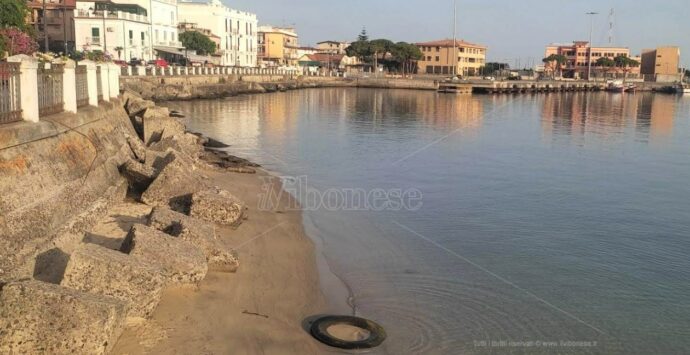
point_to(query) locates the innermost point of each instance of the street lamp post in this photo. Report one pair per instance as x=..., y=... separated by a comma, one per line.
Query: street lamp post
x=455, y=43
x=589, y=60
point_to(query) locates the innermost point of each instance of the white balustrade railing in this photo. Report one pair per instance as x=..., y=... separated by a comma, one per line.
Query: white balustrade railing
x=43, y=89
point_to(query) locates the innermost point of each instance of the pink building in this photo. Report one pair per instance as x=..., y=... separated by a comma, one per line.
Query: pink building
x=577, y=55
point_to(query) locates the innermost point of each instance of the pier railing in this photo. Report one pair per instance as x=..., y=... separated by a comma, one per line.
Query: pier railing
x=30, y=89
x=10, y=106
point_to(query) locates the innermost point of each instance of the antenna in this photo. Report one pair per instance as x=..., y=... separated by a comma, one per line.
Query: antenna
x=611, y=24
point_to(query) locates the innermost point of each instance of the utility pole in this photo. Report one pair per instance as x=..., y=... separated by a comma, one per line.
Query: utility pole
x=45, y=27
x=455, y=36
x=589, y=60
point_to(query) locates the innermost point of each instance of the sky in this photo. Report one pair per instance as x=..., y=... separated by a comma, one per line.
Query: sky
x=514, y=30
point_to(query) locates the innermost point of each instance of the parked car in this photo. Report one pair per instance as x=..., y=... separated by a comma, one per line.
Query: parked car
x=159, y=63
x=489, y=78
x=135, y=62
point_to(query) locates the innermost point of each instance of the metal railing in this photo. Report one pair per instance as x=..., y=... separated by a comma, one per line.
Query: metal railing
x=10, y=104
x=99, y=84
x=82, y=86
x=50, y=100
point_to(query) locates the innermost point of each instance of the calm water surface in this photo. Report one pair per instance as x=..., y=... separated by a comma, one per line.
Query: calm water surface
x=560, y=222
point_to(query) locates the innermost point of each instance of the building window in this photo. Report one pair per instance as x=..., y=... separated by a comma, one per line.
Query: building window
x=438, y=59
x=131, y=37
x=95, y=35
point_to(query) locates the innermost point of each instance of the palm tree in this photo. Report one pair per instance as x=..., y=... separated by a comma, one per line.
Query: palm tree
x=119, y=50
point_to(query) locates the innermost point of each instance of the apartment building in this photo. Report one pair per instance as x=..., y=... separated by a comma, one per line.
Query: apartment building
x=58, y=20
x=121, y=30
x=438, y=57
x=577, y=55
x=237, y=30
x=661, y=64
x=332, y=47
x=278, y=46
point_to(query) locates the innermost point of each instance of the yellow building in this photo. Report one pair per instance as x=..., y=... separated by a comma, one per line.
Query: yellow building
x=662, y=63
x=438, y=58
x=278, y=46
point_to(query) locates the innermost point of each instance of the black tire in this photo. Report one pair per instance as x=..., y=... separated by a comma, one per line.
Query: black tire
x=319, y=330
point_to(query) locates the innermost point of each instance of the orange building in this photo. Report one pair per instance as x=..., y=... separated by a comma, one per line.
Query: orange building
x=578, y=55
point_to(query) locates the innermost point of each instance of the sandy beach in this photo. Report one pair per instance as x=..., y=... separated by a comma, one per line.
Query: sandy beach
x=258, y=310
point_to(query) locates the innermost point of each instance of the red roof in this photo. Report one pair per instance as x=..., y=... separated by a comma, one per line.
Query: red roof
x=324, y=57
x=449, y=43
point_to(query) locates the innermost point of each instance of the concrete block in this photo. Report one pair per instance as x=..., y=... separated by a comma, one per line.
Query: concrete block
x=217, y=206
x=196, y=232
x=175, y=183
x=137, y=147
x=42, y=318
x=183, y=263
x=187, y=143
x=140, y=176
x=107, y=272
x=137, y=106
x=158, y=124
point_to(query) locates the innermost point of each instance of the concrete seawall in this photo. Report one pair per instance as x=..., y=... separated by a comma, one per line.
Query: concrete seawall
x=208, y=87
x=58, y=178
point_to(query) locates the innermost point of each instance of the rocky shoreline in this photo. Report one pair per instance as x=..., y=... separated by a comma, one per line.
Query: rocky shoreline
x=176, y=228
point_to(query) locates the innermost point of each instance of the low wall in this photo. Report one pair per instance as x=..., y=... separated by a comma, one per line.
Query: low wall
x=163, y=88
x=57, y=177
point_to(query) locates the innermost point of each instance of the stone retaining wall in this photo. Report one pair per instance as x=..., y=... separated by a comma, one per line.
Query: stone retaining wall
x=57, y=177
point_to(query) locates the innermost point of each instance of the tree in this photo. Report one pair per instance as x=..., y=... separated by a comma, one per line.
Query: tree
x=119, y=50
x=13, y=13
x=626, y=63
x=559, y=59
x=198, y=42
x=363, y=36
x=405, y=54
x=605, y=63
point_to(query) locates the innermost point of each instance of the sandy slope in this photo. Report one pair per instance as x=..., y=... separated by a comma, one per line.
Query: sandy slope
x=258, y=310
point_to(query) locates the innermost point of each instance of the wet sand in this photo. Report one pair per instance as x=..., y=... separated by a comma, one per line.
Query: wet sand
x=258, y=310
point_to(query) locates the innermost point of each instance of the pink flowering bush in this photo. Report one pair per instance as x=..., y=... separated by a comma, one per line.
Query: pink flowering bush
x=15, y=41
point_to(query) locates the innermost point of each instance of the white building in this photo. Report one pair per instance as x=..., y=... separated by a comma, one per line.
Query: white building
x=120, y=30
x=236, y=29
x=164, y=19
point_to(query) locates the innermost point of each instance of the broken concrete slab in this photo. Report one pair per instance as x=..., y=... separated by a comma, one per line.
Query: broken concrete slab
x=107, y=272
x=38, y=317
x=196, y=232
x=140, y=176
x=137, y=106
x=158, y=124
x=137, y=147
x=187, y=143
x=175, y=183
x=217, y=206
x=183, y=263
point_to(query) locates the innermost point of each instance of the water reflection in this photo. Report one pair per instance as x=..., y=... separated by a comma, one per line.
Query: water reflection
x=595, y=235
x=608, y=116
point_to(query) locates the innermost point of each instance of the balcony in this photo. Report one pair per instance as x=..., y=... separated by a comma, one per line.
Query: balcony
x=93, y=41
x=119, y=15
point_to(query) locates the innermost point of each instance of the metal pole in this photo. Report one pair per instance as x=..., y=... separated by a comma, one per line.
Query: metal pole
x=45, y=28
x=455, y=31
x=589, y=61
x=105, y=34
